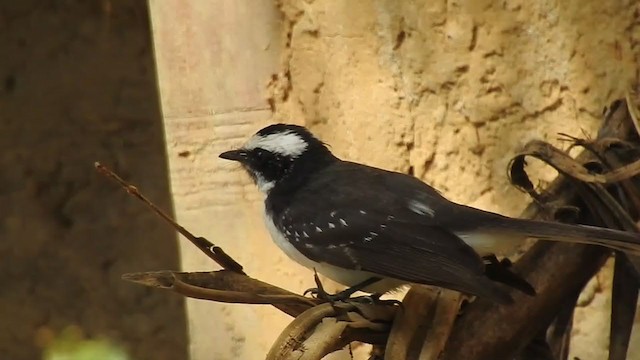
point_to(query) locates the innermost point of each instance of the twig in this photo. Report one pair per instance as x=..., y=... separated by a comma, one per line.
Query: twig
x=224, y=286
x=214, y=252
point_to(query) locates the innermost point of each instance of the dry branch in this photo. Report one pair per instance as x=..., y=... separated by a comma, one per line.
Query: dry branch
x=329, y=327
x=557, y=271
x=421, y=330
x=224, y=286
x=214, y=252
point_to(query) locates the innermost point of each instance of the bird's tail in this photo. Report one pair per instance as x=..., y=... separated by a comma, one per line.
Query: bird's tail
x=628, y=242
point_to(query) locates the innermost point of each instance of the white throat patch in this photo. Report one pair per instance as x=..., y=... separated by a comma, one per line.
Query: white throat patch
x=263, y=185
x=285, y=143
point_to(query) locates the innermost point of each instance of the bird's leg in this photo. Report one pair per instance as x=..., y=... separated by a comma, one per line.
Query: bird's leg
x=318, y=291
x=344, y=294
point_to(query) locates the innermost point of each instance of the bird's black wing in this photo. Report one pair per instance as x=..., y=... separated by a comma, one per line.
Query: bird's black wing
x=367, y=219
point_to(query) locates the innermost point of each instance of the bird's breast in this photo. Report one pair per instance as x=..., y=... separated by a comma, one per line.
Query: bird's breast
x=285, y=245
x=347, y=277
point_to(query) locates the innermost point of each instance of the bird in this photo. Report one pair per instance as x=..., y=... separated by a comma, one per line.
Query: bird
x=377, y=230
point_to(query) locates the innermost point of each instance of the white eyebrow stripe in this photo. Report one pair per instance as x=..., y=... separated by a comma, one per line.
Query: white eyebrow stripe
x=286, y=143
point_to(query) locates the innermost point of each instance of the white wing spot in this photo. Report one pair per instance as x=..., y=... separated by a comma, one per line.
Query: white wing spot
x=318, y=229
x=367, y=238
x=331, y=247
x=363, y=212
x=331, y=226
x=344, y=223
x=305, y=234
x=374, y=234
x=390, y=217
x=421, y=208
x=288, y=232
x=382, y=226
x=308, y=246
x=332, y=214
x=297, y=235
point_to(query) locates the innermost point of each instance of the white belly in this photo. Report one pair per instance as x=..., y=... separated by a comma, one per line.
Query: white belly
x=340, y=275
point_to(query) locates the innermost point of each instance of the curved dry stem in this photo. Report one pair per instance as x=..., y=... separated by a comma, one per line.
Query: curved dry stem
x=567, y=165
x=329, y=327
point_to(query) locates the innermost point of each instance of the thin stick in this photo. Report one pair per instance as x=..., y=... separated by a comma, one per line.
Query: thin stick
x=211, y=250
x=236, y=297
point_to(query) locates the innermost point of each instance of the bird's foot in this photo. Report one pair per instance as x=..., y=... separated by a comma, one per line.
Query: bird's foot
x=320, y=293
x=344, y=295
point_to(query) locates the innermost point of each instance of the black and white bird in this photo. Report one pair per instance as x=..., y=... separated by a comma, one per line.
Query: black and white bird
x=378, y=230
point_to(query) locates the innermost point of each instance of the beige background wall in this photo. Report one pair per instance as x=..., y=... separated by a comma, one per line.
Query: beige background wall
x=214, y=59
x=446, y=90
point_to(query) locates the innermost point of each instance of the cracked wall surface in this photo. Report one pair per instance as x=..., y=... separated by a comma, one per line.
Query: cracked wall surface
x=450, y=90
x=77, y=85
x=214, y=59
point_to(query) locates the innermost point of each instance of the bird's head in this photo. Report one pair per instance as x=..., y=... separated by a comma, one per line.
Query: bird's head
x=281, y=153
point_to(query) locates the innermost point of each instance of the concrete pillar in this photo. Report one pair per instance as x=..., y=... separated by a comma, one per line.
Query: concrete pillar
x=215, y=59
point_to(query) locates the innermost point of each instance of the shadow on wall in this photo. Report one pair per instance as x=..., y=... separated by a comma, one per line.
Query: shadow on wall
x=77, y=84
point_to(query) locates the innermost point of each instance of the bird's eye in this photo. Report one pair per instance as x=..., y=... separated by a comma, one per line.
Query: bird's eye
x=260, y=154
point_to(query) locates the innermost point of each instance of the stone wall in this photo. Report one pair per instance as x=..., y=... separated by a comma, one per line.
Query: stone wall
x=450, y=90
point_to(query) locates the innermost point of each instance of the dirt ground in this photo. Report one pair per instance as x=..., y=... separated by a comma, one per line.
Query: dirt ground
x=77, y=84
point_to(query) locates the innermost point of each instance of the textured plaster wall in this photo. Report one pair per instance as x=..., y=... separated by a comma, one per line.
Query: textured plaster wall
x=214, y=59
x=450, y=90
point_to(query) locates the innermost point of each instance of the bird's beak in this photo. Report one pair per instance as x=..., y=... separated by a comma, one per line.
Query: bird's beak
x=235, y=155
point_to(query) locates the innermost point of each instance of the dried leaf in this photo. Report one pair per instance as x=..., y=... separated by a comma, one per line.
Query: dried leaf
x=224, y=286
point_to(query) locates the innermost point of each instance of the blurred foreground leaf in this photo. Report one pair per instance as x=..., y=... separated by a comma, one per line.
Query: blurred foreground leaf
x=70, y=344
